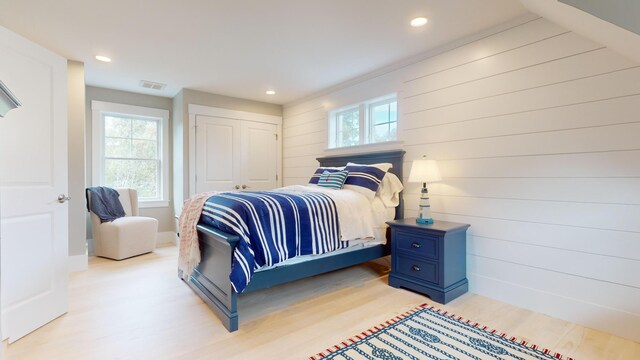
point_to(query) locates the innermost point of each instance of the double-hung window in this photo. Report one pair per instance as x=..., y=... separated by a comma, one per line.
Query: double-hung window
x=369, y=122
x=130, y=149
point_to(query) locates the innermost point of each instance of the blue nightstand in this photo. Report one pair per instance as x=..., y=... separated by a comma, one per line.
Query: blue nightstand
x=429, y=258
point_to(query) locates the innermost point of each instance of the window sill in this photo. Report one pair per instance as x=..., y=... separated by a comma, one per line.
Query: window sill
x=152, y=204
x=387, y=145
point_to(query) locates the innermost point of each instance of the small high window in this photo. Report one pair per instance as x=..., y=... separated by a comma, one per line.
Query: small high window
x=369, y=122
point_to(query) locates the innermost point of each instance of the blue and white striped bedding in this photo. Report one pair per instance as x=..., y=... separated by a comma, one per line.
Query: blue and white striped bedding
x=273, y=226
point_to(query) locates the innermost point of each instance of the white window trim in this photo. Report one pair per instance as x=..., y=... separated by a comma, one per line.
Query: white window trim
x=97, y=148
x=365, y=126
x=379, y=146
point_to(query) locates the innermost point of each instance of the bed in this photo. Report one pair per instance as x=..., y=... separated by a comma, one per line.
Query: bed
x=211, y=277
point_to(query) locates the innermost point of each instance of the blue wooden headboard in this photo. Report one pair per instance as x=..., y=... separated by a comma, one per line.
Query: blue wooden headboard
x=395, y=157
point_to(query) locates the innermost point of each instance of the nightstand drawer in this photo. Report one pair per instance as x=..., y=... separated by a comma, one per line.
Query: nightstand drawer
x=417, y=243
x=417, y=268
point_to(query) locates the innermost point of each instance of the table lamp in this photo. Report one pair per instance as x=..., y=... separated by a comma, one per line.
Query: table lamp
x=424, y=170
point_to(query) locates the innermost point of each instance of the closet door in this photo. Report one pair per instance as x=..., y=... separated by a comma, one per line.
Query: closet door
x=259, y=156
x=218, y=153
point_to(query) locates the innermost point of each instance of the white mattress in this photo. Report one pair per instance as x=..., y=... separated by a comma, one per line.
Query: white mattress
x=355, y=211
x=362, y=222
x=353, y=245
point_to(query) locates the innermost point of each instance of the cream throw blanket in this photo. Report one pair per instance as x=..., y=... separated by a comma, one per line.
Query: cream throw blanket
x=189, y=256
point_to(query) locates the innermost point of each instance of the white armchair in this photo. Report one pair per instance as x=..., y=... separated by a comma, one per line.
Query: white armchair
x=127, y=236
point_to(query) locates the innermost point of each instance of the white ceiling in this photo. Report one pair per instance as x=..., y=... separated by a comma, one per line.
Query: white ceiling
x=241, y=48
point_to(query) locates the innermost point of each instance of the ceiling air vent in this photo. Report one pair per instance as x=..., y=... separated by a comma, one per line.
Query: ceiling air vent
x=152, y=85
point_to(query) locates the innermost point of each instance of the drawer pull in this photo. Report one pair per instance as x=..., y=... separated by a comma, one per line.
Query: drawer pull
x=415, y=268
x=415, y=245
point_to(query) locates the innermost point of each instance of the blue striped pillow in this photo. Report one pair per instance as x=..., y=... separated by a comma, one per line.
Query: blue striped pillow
x=316, y=175
x=364, y=179
x=333, y=180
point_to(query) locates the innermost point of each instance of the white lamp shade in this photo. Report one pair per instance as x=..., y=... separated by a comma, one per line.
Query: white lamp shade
x=424, y=170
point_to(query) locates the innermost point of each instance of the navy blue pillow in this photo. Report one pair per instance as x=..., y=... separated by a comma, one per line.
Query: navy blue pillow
x=364, y=179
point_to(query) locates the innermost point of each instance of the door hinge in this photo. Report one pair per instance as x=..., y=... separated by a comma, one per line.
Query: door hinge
x=276, y=136
x=276, y=177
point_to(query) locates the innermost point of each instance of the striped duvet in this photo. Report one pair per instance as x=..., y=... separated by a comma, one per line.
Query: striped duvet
x=273, y=226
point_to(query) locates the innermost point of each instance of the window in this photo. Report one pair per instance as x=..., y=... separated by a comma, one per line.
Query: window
x=348, y=127
x=373, y=121
x=130, y=149
x=384, y=120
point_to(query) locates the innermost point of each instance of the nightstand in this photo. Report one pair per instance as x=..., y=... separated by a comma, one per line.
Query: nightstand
x=429, y=258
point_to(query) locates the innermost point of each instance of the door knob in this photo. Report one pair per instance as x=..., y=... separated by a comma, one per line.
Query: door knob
x=237, y=187
x=244, y=186
x=62, y=198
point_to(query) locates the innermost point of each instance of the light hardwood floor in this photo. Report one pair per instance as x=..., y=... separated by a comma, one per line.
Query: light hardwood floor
x=139, y=309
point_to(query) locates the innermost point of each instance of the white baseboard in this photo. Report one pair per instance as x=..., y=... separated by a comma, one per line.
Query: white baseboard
x=603, y=318
x=167, y=238
x=91, y=249
x=78, y=263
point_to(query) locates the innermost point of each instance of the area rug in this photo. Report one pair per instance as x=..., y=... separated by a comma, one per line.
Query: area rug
x=430, y=333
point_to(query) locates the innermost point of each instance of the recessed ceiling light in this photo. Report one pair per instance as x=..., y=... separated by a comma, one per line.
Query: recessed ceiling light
x=270, y=92
x=103, y=58
x=419, y=21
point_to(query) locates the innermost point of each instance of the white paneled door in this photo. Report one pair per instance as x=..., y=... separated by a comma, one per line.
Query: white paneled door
x=235, y=154
x=217, y=153
x=259, y=155
x=33, y=173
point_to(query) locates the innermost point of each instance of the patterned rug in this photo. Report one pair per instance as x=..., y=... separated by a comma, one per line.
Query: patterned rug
x=429, y=333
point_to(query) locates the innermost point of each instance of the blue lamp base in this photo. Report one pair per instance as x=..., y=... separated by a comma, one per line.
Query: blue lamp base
x=424, y=216
x=424, y=221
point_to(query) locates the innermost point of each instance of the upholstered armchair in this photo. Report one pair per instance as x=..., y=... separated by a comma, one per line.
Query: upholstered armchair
x=127, y=236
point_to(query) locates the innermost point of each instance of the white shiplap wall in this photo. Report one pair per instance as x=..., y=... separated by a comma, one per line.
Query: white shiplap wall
x=537, y=134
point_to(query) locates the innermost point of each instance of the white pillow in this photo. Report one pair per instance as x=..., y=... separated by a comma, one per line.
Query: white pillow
x=382, y=166
x=389, y=190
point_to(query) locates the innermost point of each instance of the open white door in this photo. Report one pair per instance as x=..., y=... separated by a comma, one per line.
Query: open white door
x=33, y=172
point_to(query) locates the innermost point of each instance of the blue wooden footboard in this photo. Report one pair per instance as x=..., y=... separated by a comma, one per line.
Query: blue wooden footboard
x=211, y=278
